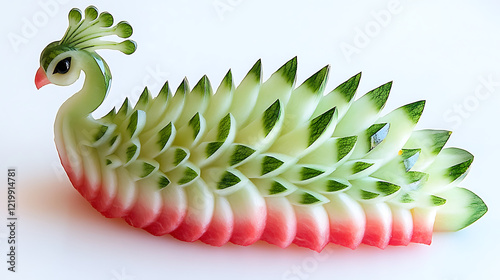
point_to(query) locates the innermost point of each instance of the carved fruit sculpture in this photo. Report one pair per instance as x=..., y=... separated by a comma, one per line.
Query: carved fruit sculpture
x=261, y=160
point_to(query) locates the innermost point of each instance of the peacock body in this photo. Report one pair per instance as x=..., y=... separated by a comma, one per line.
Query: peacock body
x=265, y=161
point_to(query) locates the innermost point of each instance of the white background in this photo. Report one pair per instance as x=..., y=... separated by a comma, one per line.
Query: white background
x=442, y=51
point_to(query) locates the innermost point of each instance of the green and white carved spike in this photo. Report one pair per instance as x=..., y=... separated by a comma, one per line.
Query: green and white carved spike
x=259, y=160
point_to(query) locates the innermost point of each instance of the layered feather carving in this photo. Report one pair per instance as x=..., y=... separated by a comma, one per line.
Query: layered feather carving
x=273, y=161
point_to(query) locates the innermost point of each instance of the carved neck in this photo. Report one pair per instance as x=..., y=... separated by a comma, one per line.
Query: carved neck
x=74, y=115
x=94, y=90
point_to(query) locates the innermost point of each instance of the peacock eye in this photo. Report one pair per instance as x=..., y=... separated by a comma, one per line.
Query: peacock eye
x=63, y=66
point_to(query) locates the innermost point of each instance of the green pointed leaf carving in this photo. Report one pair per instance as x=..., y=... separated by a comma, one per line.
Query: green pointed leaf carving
x=349, y=87
x=132, y=126
x=163, y=181
x=360, y=166
x=131, y=151
x=317, y=82
x=387, y=188
x=179, y=156
x=212, y=147
x=256, y=71
x=203, y=86
x=439, y=139
x=308, y=198
x=189, y=175
x=414, y=110
x=183, y=88
x=144, y=99
x=277, y=188
x=367, y=195
x=164, y=135
x=100, y=133
x=241, y=152
x=227, y=180
x=319, y=124
x=458, y=170
x=308, y=173
x=147, y=168
x=164, y=93
x=195, y=124
x=379, y=95
x=437, y=201
x=112, y=141
x=335, y=186
x=228, y=80
x=289, y=70
x=269, y=164
x=124, y=109
x=224, y=127
x=271, y=116
x=345, y=145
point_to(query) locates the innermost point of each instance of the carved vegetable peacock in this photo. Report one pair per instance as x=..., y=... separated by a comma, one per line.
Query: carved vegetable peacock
x=265, y=161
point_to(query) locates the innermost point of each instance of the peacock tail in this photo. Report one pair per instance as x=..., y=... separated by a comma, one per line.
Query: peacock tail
x=269, y=160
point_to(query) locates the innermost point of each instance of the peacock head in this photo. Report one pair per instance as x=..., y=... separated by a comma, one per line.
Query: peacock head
x=61, y=62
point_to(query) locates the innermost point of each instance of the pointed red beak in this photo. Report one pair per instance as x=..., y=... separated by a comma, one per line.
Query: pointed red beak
x=40, y=78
